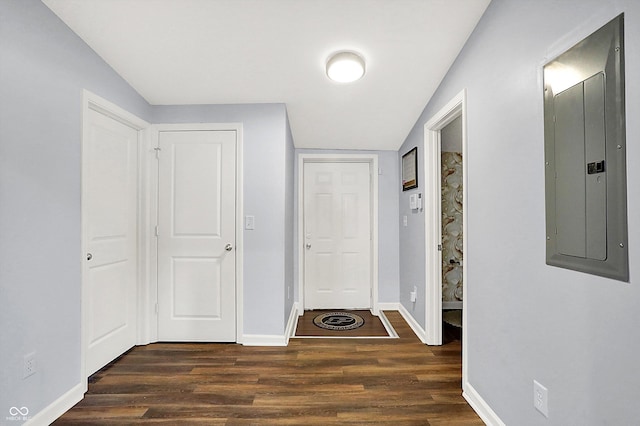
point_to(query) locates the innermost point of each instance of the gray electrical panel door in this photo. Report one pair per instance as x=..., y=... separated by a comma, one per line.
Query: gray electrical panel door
x=585, y=162
x=581, y=214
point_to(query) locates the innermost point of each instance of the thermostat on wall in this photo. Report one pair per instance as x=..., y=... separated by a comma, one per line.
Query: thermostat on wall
x=415, y=201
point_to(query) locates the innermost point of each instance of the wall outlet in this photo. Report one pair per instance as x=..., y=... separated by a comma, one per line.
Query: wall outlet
x=29, y=365
x=540, y=398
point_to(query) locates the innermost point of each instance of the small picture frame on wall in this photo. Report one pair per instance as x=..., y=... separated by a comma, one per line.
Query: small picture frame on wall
x=410, y=169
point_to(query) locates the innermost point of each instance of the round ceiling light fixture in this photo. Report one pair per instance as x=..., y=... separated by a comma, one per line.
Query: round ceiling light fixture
x=345, y=67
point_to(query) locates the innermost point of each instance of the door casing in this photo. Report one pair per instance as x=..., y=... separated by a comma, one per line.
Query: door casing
x=151, y=284
x=372, y=160
x=433, y=228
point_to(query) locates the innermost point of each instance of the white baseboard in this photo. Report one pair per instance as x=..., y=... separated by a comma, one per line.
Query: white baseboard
x=274, y=339
x=419, y=331
x=292, y=324
x=480, y=406
x=389, y=306
x=264, y=340
x=60, y=406
x=386, y=324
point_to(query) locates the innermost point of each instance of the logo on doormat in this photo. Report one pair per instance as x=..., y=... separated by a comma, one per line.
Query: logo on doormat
x=338, y=321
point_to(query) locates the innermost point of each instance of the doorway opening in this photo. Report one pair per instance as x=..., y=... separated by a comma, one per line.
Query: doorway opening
x=446, y=167
x=452, y=236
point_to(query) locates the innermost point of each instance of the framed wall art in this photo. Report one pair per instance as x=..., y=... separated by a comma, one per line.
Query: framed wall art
x=410, y=169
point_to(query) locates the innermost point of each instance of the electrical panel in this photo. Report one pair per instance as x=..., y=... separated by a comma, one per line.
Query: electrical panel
x=585, y=156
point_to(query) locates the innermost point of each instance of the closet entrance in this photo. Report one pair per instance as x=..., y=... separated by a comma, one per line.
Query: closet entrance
x=452, y=236
x=445, y=169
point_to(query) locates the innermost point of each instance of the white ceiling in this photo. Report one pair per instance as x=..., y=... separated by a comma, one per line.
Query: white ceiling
x=177, y=52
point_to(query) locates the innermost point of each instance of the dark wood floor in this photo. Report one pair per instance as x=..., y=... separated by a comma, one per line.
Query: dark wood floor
x=310, y=382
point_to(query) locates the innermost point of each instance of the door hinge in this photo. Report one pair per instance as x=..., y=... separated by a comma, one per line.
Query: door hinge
x=157, y=150
x=157, y=308
x=156, y=231
x=439, y=247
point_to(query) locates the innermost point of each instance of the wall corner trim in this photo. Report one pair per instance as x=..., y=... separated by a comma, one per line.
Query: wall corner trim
x=60, y=406
x=480, y=406
x=419, y=331
x=292, y=324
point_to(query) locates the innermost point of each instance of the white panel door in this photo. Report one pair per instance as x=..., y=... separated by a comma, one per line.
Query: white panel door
x=337, y=223
x=196, y=236
x=110, y=190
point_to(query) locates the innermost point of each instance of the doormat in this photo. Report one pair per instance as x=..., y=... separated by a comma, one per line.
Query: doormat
x=338, y=321
x=373, y=326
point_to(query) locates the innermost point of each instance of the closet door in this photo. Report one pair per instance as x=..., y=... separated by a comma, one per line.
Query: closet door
x=196, y=236
x=110, y=194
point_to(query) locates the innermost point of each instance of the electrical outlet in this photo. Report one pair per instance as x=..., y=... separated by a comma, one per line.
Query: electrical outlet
x=29, y=365
x=540, y=398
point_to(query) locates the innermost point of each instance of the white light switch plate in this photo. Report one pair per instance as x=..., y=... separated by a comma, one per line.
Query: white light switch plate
x=249, y=222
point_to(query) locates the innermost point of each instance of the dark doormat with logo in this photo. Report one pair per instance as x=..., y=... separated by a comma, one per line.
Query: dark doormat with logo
x=343, y=323
x=339, y=321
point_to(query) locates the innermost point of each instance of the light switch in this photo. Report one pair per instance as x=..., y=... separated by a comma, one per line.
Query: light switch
x=249, y=222
x=404, y=220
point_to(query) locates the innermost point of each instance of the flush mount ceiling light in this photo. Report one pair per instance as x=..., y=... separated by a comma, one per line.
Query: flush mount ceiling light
x=345, y=67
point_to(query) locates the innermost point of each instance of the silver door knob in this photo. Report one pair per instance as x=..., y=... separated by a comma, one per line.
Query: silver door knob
x=308, y=246
x=89, y=256
x=228, y=247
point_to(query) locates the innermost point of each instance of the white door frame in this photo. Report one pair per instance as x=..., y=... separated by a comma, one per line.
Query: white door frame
x=372, y=160
x=96, y=103
x=151, y=295
x=432, y=129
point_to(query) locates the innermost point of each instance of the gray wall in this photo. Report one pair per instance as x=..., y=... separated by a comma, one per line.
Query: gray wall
x=388, y=184
x=388, y=238
x=267, y=190
x=575, y=333
x=289, y=223
x=412, y=243
x=43, y=69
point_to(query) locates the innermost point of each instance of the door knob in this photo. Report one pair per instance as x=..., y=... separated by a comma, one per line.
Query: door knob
x=228, y=247
x=89, y=256
x=308, y=246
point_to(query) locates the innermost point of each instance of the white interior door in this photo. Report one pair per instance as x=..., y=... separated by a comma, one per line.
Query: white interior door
x=110, y=189
x=196, y=236
x=337, y=226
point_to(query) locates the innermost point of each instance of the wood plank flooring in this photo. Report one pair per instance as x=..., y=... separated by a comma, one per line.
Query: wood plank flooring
x=310, y=382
